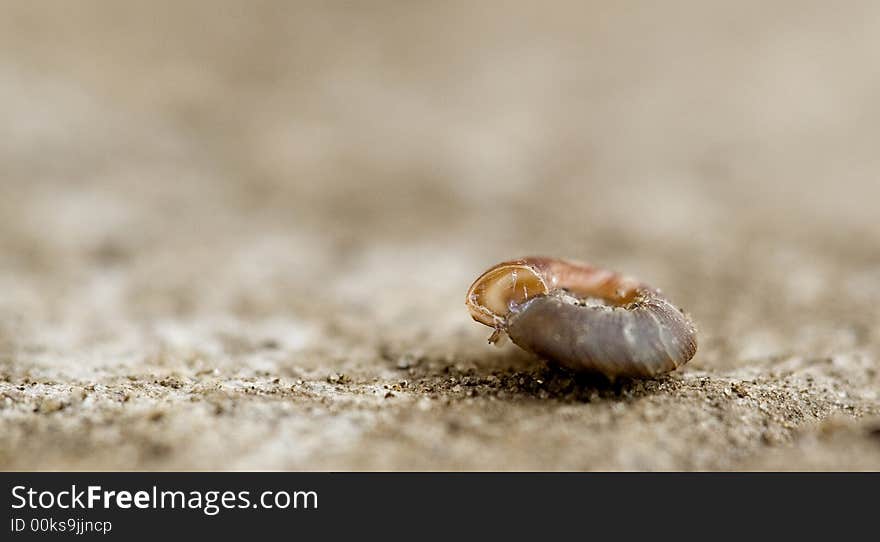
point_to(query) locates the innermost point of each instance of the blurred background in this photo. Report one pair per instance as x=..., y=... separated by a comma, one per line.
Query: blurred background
x=279, y=206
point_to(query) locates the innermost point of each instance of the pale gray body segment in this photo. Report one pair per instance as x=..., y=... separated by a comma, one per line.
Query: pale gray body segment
x=646, y=338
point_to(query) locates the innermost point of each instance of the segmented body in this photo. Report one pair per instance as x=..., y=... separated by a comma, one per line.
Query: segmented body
x=583, y=317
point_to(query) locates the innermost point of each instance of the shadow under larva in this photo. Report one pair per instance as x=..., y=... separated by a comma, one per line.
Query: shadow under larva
x=582, y=317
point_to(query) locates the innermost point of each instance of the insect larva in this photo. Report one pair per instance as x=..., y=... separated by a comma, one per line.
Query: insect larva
x=583, y=317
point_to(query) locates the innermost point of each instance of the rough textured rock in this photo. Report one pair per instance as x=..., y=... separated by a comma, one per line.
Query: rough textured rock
x=238, y=235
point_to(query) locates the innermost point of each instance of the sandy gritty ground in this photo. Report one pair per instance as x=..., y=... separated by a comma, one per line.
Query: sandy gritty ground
x=238, y=235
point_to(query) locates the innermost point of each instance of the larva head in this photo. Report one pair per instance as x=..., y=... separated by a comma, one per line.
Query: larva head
x=491, y=297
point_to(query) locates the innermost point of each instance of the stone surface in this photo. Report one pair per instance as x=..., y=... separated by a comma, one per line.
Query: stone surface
x=238, y=235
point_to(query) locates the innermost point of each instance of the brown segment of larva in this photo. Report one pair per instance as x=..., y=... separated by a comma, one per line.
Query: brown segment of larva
x=582, y=317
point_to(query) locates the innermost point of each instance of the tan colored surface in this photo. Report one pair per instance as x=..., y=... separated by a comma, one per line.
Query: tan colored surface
x=238, y=236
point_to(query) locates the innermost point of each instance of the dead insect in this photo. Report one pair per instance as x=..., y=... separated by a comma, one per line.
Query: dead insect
x=582, y=317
